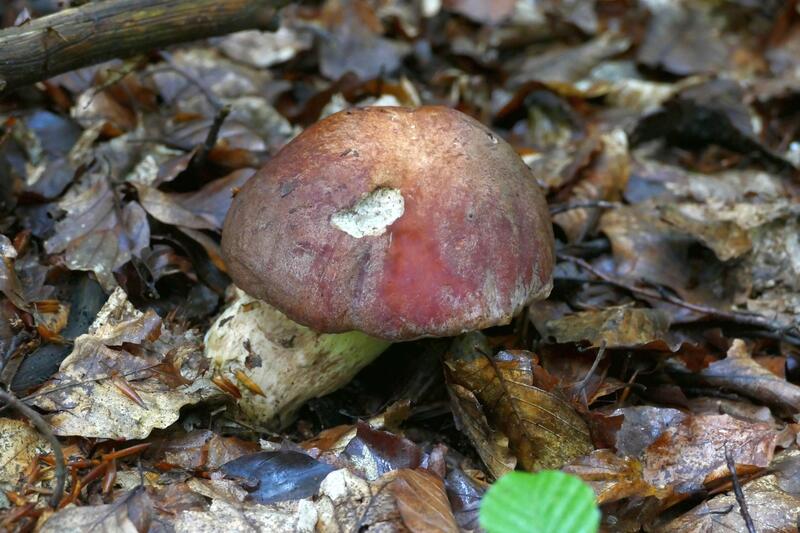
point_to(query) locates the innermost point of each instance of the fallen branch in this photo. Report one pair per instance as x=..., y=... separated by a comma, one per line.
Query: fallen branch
x=99, y=31
x=47, y=432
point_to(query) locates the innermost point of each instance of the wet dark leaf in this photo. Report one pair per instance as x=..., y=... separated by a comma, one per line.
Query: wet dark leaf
x=374, y=453
x=278, y=476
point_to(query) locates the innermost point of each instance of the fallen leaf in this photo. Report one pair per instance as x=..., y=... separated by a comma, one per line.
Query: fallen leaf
x=131, y=512
x=543, y=430
x=278, y=476
x=490, y=444
x=374, y=453
x=611, y=477
x=20, y=444
x=738, y=372
x=614, y=327
x=422, y=502
x=83, y=400
x=691, y=454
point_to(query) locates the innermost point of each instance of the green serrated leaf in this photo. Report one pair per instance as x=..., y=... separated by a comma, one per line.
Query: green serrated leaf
x=546, y=502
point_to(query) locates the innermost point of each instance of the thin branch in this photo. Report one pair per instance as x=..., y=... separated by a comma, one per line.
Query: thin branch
x=737, y=491
x=745, y=319
x=98, y=31
x=44, y=429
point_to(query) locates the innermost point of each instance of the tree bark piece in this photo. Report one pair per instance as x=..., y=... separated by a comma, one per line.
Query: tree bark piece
x=106, y=29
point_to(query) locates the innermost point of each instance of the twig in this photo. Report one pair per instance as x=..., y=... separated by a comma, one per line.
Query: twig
x=737, y=491
x=44, y=429
x=213, y=133
x=600, y=352
x=560, y=208
x=730, y=316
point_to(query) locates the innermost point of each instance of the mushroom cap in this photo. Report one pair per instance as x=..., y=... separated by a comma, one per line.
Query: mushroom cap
x=401, y=223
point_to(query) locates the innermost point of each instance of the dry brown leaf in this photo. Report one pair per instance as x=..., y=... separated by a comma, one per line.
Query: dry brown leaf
x=202, y=209
x=616, y=327
x=490, y=444
x=518, y=397
x=605, y=179
x=724, y=237
x=646, y=248
x=612, y=478
x=97, y=233
x=422, y=502
x=482, y=11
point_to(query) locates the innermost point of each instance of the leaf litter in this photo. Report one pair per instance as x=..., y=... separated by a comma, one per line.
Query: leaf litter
x=664, y=136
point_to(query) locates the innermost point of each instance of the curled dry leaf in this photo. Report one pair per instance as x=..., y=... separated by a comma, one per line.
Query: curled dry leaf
x=490, y=444
x=739, y=373
x=422, y=502
x=519, y=398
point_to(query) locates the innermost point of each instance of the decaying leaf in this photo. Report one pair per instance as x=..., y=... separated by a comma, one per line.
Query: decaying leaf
x=284, y=517
x=84, y=400
x=130, y=513
x=691, y=454
x=19, y=446
x=98, y=233
x=543, y=430
x=770, y=507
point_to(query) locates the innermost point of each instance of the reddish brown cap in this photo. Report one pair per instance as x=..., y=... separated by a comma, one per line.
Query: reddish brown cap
x=401, y=223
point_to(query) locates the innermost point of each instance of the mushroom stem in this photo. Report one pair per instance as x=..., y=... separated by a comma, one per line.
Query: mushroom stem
x=279, y=364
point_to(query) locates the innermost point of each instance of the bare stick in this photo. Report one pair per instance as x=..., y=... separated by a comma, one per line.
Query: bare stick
x=44, y=429
x=737, y=491
x=99, y=31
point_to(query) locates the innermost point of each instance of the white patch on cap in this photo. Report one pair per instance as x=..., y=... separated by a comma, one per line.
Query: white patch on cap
x=371, y=215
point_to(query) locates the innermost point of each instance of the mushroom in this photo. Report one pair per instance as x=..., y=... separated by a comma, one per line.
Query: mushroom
x=375, y=225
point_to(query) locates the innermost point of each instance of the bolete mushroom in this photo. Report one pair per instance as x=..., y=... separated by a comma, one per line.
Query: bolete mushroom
x=394, y=222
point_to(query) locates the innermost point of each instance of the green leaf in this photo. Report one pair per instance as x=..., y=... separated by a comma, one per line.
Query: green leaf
x=546, y=502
